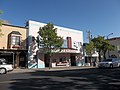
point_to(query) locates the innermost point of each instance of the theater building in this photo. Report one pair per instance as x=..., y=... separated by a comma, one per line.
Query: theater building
x=70, y=55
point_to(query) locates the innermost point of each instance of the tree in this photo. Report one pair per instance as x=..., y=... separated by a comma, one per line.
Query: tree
x=90, y=50
x=1, y=25
x=1, y=34
x=102, y=46
x=106, y=47
x=49, y=41
x=1, y=12
x=98, y=44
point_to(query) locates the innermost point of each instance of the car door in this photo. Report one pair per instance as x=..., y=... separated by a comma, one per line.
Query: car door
x=115, y=62
x=0, y=64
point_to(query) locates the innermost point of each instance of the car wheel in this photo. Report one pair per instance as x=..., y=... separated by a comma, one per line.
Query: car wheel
x=3, y=71
x=111, y=66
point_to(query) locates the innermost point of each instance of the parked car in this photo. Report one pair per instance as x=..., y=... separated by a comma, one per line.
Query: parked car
x=4, y=67
x=111, y=62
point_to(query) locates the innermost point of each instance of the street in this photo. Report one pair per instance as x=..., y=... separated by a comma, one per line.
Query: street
x=80, y=79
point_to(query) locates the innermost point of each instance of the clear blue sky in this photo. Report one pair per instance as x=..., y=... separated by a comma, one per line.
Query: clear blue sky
x=101, y=17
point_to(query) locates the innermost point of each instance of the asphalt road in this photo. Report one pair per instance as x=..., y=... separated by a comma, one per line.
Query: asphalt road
x=83, y=79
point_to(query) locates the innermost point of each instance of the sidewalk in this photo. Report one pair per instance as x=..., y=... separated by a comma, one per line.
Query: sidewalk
x=51, y=69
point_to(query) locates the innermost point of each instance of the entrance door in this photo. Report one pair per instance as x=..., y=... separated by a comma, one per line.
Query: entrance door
x=22, y=60
x=46, y=60
x=73, y=60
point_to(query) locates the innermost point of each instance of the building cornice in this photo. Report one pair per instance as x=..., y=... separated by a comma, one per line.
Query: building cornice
x=14, y=26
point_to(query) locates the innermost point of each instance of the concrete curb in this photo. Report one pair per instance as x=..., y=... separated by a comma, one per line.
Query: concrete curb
x=51, y=69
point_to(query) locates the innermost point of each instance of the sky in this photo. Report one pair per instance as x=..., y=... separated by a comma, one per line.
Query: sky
x=100, y=17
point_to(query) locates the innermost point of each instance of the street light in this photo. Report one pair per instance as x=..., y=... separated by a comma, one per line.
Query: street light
x=107, y=39
x=109, y=35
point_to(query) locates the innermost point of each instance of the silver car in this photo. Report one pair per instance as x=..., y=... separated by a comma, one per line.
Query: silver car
x=4, y=67
x=111, y=62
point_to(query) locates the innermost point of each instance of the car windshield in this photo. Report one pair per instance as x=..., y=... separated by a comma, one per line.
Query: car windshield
x=3, y=61
x=107, y=60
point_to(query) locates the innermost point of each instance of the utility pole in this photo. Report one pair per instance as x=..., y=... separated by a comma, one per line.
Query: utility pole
x=107, y=39
x=89, y=36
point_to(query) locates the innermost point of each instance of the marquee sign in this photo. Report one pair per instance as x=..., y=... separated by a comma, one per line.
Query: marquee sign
x=69, y=51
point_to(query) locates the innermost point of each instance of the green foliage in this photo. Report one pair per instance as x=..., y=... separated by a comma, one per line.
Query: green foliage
x=90, y=48
x=49, y=39
x=107, y=46
x=98, y=42
x=50, y=42
x=0, y=19
x=102, y=46
x=1, y=12
x=0, y=25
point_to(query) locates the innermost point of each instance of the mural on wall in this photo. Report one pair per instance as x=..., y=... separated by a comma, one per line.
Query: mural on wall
x=32, y=57
x=80, y=56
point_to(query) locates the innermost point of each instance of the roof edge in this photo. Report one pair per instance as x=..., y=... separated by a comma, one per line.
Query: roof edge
x=14, y=26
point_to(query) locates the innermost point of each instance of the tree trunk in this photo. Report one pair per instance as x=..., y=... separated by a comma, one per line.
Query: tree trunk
x=90, y=61
x=104, y=55
x=99, y=56
x=50, y=62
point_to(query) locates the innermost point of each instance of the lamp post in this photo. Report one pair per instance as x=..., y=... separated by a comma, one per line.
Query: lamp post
x=107, y=39
x=109, y=35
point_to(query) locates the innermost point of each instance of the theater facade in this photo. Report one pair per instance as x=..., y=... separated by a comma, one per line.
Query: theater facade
x=70, y=55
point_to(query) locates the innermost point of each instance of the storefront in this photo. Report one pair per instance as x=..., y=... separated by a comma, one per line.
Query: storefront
x=66, y=58
x=91, y=60
x=18, y=58
x=70, y=55
x=13, y=45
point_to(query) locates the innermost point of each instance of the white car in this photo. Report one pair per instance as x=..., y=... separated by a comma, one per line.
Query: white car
x=111, y=62
x=4, y=67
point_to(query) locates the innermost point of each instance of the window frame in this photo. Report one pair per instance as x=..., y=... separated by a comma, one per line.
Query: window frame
x=15, y=40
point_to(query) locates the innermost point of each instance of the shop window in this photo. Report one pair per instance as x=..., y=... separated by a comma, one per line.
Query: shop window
x=62, y=59
x=63, y=62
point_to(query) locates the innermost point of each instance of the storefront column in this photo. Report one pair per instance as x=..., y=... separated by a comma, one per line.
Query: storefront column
x=17, y=60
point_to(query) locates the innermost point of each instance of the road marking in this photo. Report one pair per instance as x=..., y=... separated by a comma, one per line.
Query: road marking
x=7, y=82
x=115, y=83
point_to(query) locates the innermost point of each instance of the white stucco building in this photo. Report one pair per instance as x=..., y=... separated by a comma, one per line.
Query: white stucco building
x=71, y=54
